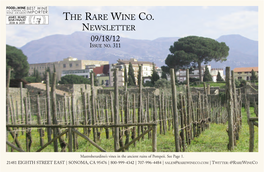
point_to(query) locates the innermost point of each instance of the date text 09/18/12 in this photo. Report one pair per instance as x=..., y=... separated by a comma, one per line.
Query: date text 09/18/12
x=105, y=38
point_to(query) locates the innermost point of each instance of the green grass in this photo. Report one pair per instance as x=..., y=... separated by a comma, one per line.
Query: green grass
x=214, y=139
x=212, y=84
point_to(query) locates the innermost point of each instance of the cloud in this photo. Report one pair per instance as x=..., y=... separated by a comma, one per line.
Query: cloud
x=20, y=35
x=235, y=21
x=252, y=8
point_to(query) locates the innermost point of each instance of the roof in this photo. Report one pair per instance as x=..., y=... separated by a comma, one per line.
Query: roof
x=245, y=69
x=103, y=69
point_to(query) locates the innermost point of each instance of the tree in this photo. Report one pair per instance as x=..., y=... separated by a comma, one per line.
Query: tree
x=31, y=79
x=162, y=84
x=237, y=83
x=17, y=61
x=131, y=76
x=253, y=76
x=198, y=50
x=192, y=68
x=165, y=69
x=139, y=75
x=35, y=78
x=37, y=75
x=148, y=84
x=193, y=79
x=154, y=76
x=125, y=75
x=178, y=59
x=165, y=72
x=219, y=78
x=74, y=79
x=164, y=75
x=207, y=75
x=243, y=82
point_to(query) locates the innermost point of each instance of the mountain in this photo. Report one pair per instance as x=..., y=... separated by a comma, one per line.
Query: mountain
x=57, y=47
x=240, y=43
x=243, y=52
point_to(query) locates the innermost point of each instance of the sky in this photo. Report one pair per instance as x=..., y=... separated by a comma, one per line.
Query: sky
x=168, y=21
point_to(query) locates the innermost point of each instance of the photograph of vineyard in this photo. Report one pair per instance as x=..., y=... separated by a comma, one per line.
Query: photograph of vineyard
x=181, y=118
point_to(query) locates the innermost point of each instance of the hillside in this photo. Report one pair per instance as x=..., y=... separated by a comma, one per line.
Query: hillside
x=56, y=47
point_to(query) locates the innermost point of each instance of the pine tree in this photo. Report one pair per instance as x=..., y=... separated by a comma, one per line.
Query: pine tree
x=139, y=74
x=17, y=61
x=219, y=78
x=125, y=75
x=131, y=76
x=164, y=76
x=37, y=75
x=34, y=78
x=196, y=50
x=154, y=76
x=207, y=75
x=74, y=79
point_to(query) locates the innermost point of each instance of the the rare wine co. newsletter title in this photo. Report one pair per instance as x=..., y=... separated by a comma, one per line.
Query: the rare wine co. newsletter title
x=115, y=16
